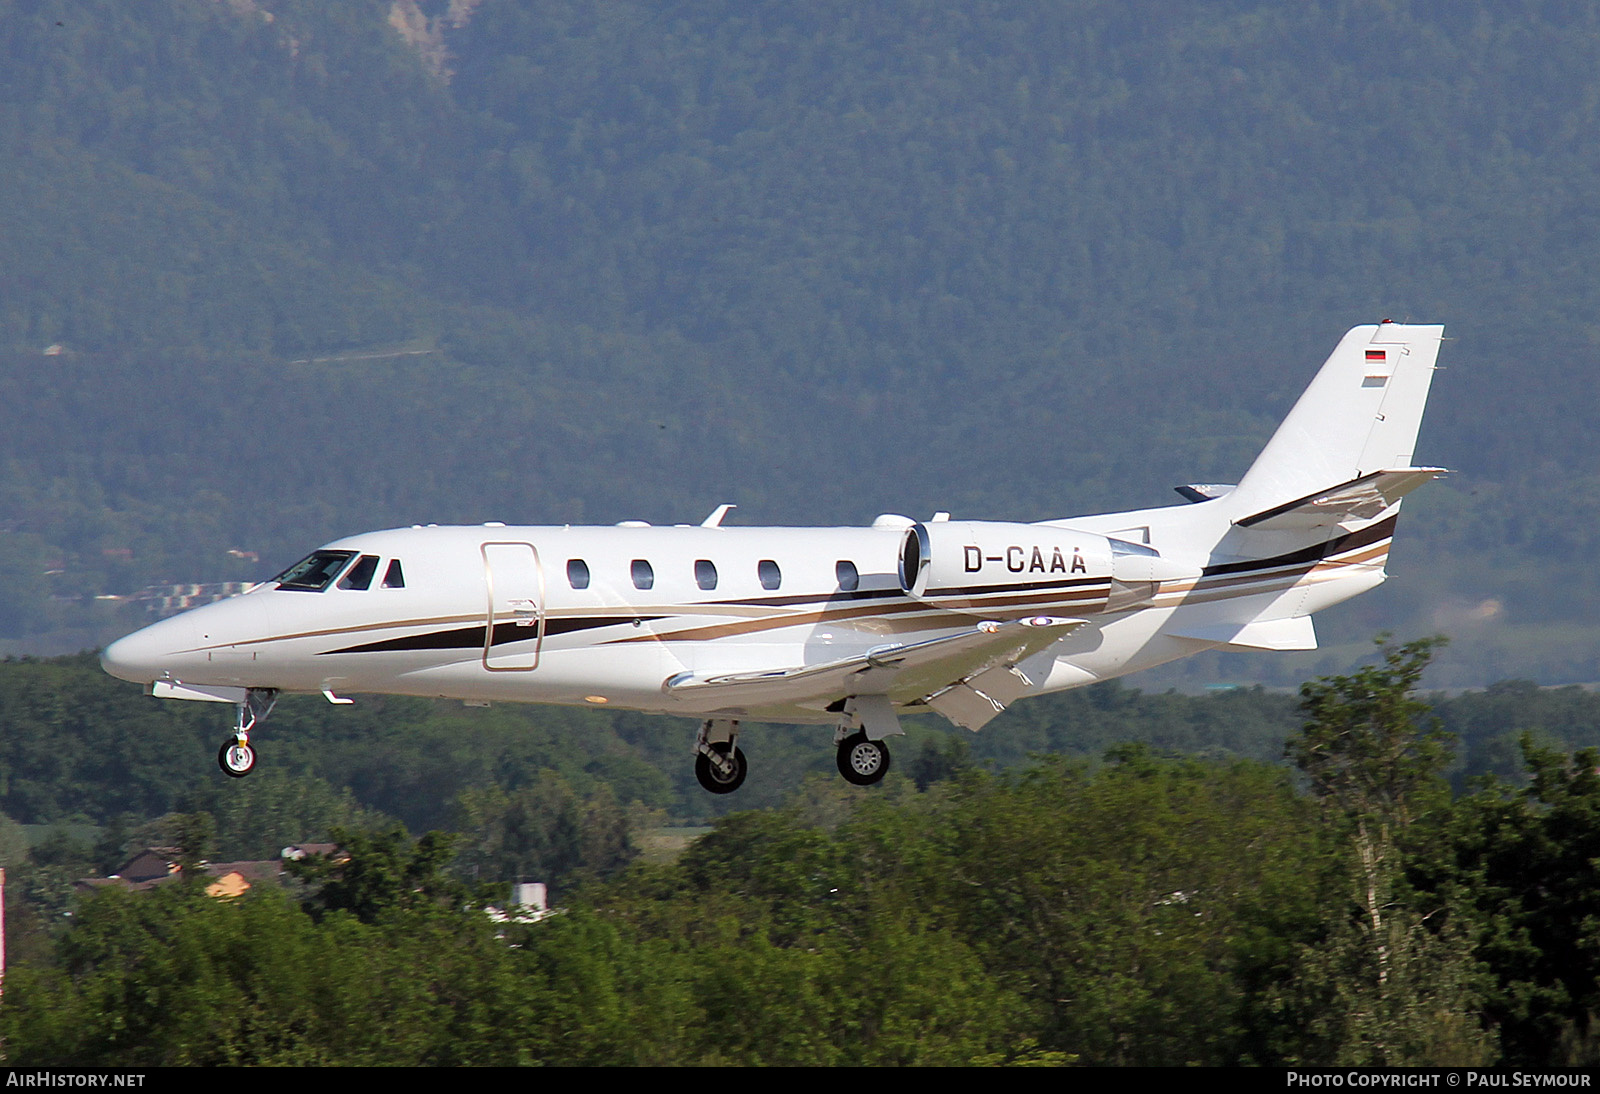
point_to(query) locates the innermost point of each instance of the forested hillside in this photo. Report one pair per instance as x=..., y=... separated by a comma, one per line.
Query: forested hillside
x=313, y=268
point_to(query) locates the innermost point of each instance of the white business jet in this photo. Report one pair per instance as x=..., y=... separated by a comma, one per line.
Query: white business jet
x=844, y=626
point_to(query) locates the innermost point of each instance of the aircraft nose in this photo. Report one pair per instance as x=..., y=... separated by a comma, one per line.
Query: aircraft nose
x=125, y=658
x=146, y=654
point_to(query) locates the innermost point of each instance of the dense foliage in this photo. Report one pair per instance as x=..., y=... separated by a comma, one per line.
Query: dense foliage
x=1135, y=907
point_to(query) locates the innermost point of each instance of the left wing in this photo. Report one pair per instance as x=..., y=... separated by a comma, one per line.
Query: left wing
x=969, y=677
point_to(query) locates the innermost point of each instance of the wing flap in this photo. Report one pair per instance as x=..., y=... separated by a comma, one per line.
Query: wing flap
x=976, y=701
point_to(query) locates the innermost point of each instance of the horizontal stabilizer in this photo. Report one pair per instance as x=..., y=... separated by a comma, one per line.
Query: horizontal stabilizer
x=1359, y=499
x=906, y=672
x=1296, y=633
x=1204, y=491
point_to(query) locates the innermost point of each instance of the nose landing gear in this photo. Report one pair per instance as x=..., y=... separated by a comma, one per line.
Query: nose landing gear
x=236, y=758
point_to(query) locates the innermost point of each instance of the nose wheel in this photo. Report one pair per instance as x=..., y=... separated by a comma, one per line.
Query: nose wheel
x=236, y=758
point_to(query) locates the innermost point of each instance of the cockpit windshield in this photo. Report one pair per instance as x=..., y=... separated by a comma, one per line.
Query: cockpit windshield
x=315, y=572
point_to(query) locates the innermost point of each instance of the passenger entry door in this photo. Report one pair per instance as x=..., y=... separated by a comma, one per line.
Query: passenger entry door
x=514, y=585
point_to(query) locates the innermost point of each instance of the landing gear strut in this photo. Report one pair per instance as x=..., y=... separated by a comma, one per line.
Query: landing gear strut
x=718, y=764
x=236, y=758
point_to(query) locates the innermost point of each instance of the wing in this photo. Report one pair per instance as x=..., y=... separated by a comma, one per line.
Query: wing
x=969, y=676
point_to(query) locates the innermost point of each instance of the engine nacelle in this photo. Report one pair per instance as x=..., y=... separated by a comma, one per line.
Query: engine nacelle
x=987, y=567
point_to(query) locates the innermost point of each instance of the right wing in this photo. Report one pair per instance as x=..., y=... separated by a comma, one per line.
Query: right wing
x=969, y=676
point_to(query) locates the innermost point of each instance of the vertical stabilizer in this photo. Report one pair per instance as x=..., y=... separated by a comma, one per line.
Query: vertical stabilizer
x=1359, y=416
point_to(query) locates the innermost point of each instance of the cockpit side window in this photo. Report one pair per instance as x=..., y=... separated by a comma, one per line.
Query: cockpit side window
x=394, y=577
x=360, y=575
x=315, y=572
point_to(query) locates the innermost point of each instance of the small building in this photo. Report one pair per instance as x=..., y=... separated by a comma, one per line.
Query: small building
x=159, y=866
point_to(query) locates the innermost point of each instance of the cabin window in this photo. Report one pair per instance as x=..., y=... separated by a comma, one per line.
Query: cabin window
x=577, y=573
x=361, y=574
x=845, y=571
x=767, y=570
x=705, y=573
x=394, y=577
x=315, y=572
x=644, y=577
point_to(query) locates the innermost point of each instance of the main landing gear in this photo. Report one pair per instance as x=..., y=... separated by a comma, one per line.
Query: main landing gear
x=718, y=763
x=236, y=757
x=866, y=720
x=863, y=759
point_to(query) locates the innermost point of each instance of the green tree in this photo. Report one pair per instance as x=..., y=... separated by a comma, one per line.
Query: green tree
x=543, y=832
x=1528, y=860
x=174, y=977
x=375, y=876
x=1131, y=909
x=1390, y=983
x=1374, y=755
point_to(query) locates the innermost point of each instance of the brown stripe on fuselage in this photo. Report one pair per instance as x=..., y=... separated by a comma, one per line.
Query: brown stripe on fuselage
x=359, y=628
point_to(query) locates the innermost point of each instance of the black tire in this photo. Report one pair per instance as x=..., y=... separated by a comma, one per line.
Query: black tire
x=235, y=759
x=862, y=761
x=712, y=779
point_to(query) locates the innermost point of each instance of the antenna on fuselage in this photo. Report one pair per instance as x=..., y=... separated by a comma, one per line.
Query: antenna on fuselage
x=715, y=519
